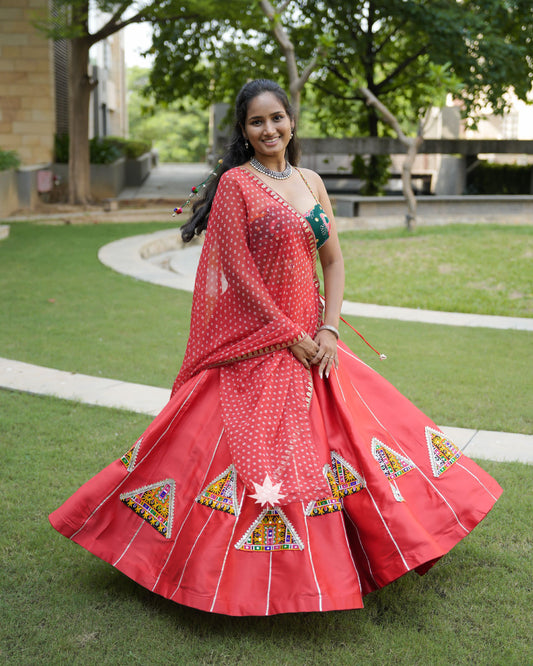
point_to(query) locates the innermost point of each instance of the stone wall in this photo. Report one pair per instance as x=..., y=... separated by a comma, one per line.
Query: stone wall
x=27, y=106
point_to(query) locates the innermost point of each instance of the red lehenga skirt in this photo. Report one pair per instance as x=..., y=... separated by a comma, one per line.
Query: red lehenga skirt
x=173, y=515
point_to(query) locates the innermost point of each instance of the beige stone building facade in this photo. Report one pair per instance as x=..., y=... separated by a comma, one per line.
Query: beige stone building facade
x=27, y=89
x=34, y=84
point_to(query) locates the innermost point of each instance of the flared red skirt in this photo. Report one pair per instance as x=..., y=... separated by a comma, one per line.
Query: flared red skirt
x=173, y=514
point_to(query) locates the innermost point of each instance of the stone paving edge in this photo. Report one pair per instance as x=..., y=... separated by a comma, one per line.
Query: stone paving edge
x=125, y=256
x=144, y=399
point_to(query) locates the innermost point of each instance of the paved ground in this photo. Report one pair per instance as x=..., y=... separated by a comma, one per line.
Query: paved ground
x=159, y=258
x=167, y=182
x=143, y=399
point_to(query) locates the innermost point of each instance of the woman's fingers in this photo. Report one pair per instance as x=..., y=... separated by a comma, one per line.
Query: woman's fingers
x=323, y=354
x=326, y=363
x=326, y=356
x=305, y=351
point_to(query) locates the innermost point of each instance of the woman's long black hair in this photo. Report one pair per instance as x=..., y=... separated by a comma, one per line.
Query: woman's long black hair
x=237, y=153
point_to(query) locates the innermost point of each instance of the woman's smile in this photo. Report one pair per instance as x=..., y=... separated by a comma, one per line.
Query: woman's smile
x=268, y=128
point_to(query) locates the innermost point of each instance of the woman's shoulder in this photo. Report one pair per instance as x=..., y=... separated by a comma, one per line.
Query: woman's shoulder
x=235, y=174
x=314, y=180
x=310, y=175
x=232, y=182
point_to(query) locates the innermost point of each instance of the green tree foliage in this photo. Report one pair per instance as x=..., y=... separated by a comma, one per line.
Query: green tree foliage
x=211, y=59
x=178, y=131
x=408, y=53
x=69, y=19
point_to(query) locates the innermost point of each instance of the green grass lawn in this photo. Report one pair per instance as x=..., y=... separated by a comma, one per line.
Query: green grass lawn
x=63, y=309
x=61, y=605
x=484, y=269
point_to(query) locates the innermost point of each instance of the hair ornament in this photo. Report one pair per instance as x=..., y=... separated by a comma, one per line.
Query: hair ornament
x=195, y=190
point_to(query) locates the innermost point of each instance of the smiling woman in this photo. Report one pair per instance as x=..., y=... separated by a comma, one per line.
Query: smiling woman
x=269, y=129
x=270, y=408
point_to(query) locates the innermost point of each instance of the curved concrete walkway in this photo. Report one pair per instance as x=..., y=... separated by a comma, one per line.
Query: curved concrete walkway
x=104, y=392
x=159, y=258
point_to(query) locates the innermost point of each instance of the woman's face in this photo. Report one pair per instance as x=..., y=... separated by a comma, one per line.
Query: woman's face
x=268, y=126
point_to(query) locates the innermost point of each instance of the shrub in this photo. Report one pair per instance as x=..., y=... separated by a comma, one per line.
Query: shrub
x=131, y=148
x=103, y=150
x=8, y=160
x=374, y=170
x=61, y=146
x=488, y=178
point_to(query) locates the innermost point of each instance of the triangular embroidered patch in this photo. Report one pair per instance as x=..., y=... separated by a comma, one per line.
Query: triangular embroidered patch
x=271, y=531
x=348, y=480
x=442, y=452
x=392, y=464
x=329, y=504
x=130, y=457
x=221, y=494
x=153, y=503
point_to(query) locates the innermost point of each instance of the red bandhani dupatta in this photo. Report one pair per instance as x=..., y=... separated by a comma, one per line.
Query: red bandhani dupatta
x=256, y=294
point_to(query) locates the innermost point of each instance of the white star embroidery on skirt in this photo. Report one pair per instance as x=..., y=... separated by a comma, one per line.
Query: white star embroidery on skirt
x=268, y=493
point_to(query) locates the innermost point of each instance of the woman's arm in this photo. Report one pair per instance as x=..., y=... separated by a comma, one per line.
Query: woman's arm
x=333, y=269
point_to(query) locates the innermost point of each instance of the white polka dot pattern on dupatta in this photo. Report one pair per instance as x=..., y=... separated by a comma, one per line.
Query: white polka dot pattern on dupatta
x=256, y=294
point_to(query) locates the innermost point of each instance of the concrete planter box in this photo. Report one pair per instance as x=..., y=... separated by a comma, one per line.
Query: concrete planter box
x=9, y=200
x=107, y=180
x=28, y=194
x=138, y=170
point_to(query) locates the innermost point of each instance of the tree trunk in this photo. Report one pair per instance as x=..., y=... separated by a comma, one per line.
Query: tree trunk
x=80, y=87
x=296, y=80
x=295, y=96
x=412, y=144
x=407, y=167
x=373, y=181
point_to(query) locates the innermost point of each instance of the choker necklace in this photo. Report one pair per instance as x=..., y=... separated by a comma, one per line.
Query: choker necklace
x=278, y=175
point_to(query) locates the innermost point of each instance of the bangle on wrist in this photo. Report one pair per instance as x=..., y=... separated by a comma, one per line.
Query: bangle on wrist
x=331, y=329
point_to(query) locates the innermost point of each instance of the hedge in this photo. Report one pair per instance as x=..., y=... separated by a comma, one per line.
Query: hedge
x=103, y=150
x=489, y=178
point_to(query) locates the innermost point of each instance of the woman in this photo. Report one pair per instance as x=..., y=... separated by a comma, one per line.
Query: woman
x=284, y=474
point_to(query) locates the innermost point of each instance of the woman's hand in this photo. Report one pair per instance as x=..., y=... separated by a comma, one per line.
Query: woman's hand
x=305, y=351
x=326, y=356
